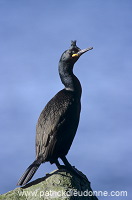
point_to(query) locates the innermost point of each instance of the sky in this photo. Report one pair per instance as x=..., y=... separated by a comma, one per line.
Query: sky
x=33, y=35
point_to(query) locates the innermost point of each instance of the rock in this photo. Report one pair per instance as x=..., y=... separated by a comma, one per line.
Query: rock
x=58, y=185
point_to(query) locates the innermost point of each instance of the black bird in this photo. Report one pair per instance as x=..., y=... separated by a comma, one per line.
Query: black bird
x=58, y=122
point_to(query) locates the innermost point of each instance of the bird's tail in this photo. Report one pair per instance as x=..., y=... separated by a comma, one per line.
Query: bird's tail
x=30, y=171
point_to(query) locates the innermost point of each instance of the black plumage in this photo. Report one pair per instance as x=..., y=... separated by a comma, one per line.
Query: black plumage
x=58, y=122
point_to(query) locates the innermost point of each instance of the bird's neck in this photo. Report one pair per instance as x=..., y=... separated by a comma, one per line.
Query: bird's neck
x=69, y=80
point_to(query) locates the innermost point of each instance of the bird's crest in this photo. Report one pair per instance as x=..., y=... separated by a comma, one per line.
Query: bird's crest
x=73, y=43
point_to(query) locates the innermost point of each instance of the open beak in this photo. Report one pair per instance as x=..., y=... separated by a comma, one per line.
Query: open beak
x=79, y=53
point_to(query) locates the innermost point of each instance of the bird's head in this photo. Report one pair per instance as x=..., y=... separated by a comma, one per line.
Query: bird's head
x=73, y=53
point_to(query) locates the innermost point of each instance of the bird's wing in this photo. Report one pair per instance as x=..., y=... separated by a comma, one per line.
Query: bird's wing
x=51, y=120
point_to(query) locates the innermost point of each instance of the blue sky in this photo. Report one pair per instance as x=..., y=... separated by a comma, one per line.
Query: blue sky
x=33, y=35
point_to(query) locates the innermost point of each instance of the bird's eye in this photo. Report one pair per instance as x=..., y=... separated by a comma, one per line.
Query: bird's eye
x=73, y=52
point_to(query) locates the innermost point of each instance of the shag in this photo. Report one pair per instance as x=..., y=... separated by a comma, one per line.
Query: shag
x=58, y=122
